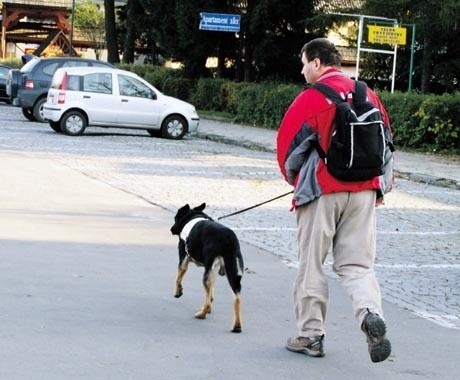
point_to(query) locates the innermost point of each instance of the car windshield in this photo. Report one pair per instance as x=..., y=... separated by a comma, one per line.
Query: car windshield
x=29, y=65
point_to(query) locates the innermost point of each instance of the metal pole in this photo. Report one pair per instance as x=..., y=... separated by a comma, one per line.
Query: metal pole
x=360, y=39
x=394, y=69
x=71, y=28
x=411, y=66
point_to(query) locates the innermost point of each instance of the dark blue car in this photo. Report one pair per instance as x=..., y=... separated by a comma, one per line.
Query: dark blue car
x=3, y=75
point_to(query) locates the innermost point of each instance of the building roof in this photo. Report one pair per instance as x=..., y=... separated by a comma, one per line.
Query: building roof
x=331, y=6
x=58, y=3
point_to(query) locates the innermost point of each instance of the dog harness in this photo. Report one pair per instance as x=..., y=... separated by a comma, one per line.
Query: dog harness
x=188, y=228
x=184, y=236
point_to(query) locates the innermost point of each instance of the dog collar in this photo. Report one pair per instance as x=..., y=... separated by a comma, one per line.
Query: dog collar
x=188, y=227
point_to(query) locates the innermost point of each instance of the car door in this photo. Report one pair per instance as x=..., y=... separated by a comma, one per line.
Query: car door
x=138, y=105
x=97, y=98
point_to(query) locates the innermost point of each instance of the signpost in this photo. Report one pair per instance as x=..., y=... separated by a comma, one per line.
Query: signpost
x=387, y=35
x=220, y=22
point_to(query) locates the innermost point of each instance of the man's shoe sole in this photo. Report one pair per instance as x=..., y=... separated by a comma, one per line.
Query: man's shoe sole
x=379, y=345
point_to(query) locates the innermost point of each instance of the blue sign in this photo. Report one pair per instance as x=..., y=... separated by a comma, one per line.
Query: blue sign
x=220, y=22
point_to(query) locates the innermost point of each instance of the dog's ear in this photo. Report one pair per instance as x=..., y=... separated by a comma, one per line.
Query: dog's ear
x=183, y=209
x=201, y=207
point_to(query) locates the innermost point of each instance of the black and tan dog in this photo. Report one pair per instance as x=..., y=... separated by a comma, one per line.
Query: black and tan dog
x=215, y=247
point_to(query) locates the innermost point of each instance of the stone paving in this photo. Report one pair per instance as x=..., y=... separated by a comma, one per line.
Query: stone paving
x=418, y=229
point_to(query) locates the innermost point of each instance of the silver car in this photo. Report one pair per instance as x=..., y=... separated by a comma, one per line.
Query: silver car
x=107, y=97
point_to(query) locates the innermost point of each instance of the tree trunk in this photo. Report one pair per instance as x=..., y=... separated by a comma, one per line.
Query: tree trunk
x=130, y=38
x=111, y=32
x=426, y=66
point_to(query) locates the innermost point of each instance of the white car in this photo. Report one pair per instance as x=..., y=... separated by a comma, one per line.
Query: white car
x=109, y=97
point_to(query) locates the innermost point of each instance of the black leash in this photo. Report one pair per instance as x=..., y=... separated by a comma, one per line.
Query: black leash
x=257, y=205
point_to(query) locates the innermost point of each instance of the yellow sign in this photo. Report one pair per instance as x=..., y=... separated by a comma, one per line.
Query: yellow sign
x=387, y=35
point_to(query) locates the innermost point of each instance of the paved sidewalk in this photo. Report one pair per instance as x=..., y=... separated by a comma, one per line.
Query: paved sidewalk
x=87, y=293
x=425, y=168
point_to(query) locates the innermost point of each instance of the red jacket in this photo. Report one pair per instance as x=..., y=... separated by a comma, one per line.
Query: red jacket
x=310, y=117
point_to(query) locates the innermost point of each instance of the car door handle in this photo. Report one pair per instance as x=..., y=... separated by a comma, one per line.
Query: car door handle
x=86, y=97
x=124, y=100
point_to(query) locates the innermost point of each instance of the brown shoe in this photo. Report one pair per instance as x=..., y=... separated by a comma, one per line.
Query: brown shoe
x=308, y=346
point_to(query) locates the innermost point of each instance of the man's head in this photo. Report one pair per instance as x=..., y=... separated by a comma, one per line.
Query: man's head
x=318, y=55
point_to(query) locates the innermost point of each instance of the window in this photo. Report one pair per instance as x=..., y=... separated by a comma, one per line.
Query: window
x=98, y=82
x=132, y=87
x=50, y=68
x=73, y=82
x=76, y=63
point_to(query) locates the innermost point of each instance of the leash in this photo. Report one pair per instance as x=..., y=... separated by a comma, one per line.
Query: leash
x=257, y=205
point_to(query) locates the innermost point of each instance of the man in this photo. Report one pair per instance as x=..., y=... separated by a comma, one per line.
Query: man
x=330, y=211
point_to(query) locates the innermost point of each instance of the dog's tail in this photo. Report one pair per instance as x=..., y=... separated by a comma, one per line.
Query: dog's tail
x=234, y=268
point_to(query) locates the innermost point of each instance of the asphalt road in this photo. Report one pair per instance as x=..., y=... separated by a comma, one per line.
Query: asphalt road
x=87, y=266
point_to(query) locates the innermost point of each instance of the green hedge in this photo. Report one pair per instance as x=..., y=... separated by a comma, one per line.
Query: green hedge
x=423, y=122
x=256, y=104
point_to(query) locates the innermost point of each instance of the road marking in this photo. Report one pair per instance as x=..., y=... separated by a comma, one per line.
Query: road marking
x=423, y=233
x=419, y=266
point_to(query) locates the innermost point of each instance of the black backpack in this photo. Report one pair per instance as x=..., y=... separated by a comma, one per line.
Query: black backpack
x=359, y=138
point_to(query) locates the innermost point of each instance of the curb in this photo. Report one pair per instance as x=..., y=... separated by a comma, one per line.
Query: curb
x=230, y=141
x=414, y=177
x=428, y=179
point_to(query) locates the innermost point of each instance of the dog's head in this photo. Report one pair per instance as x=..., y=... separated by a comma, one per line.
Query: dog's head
x=185, y=214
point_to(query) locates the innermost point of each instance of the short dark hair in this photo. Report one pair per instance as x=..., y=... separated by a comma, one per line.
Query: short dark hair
x=324, y=50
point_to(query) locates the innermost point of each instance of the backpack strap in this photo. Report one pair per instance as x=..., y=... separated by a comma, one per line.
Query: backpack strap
x=328, y=92
x=360, y=94
x=334, y=96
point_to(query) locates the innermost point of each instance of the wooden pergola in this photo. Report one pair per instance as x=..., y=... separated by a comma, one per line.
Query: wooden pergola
x=42, y=22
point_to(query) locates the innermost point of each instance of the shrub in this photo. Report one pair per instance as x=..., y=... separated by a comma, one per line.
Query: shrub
x=208, y=94
x=264, y=104
x=439, y=117
x=14, y=63
x=402, y=109
x=424, y=121
x=178, y=87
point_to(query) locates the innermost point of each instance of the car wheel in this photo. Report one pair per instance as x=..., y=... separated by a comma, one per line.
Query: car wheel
x=38, y=110
x=154, y=132
x=73, y=123
x=55, y=126
x=29, y=115
x=174, y=127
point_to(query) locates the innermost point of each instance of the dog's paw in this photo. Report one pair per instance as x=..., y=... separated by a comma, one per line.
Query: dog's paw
x=201, y=314
x=236, y=329
x=178, y=292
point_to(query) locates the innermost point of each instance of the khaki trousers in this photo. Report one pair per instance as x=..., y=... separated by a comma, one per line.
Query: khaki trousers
x=346, y=221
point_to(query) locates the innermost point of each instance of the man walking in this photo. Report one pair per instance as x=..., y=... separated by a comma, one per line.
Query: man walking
x=330, y=211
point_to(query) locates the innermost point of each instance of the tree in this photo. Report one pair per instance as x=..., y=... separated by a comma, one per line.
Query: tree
x=133, y=21
x=89, y=20
x=277, y=31
x=111, y=32
x=437, y=57
x=272, y=33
